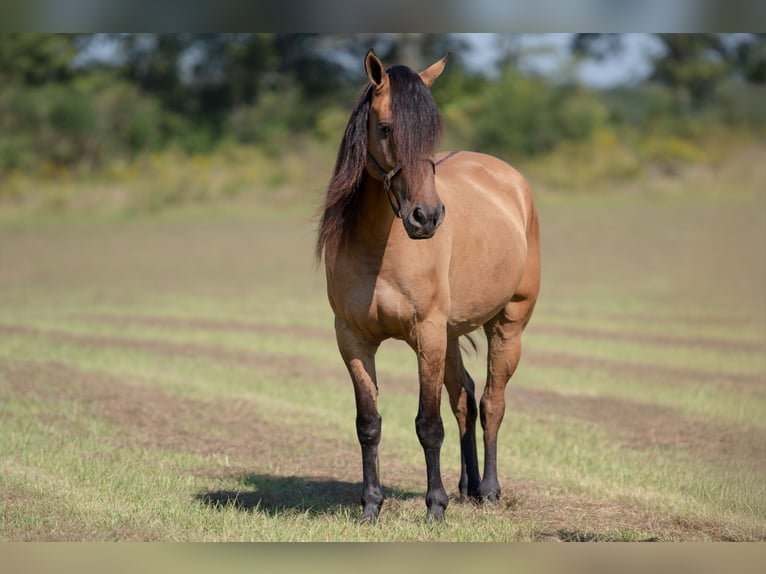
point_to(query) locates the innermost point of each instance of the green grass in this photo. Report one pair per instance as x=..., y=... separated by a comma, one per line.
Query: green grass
x=175, y=377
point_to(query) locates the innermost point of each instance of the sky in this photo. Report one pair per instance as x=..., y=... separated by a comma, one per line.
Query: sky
x=550, y=55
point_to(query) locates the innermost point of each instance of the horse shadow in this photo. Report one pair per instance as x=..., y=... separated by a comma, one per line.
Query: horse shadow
x=277, y=495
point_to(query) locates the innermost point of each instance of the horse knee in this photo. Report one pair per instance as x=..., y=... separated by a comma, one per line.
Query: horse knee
x=368, y=429
x=430, y=431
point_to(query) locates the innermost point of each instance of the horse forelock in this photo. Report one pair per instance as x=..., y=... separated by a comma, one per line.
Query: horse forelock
x=416, y=120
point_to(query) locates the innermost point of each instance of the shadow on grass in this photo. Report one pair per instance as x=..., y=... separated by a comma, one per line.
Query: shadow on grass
x=274, y=495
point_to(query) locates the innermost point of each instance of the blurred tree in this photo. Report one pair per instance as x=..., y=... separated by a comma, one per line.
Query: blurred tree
x=692, y=65
x=751, y=59
x=420, y=50
x=202, y=76
x=311, y=61
x=35, y=59
x=597, y=46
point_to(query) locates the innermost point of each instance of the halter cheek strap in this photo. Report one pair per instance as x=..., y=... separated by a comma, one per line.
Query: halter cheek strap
x=386, y=177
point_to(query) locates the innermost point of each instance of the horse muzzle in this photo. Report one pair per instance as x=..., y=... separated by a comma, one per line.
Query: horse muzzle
x=422, y=222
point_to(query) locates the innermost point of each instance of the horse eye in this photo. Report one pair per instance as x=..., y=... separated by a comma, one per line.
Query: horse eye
x=385, y=130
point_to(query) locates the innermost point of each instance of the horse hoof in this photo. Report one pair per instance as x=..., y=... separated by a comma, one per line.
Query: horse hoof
x=435, y=514
x=488, y=494
x=491, y=497
x=370, y=514
x=469, y=493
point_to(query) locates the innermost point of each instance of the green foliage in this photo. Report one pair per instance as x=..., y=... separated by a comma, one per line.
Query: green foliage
x=67, y=125
x=35, y=59
x=743, y=104
x=580, y=114
x=515, y=117
x=692, y=66
x=198, y=93
x=520, y=115
x=277, y=114
x=638, y=107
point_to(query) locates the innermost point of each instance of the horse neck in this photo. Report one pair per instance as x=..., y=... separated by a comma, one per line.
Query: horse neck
x=374, y=218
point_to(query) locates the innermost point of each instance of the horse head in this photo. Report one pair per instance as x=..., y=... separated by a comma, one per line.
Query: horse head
x=403, y=127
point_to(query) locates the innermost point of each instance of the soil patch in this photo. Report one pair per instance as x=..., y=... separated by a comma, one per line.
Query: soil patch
x=643, y=425
x=752, y=383
x=669, y=318
x=182, y=323
x=288, y=365
x=150, y=417
x=716, y=344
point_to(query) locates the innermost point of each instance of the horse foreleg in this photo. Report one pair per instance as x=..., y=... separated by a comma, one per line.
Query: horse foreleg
x=431, y=349
x=460, y=387
x=359, y=357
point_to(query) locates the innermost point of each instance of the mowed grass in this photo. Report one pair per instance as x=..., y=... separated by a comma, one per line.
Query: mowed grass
x=176, y=378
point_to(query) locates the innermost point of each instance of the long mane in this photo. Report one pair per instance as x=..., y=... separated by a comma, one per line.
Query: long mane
x=346, y=182
x=417, y=127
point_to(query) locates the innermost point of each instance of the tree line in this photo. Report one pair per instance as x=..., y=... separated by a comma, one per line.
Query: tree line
x=80, y=100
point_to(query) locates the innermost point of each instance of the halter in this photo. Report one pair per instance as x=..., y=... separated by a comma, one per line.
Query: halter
x=387, y=176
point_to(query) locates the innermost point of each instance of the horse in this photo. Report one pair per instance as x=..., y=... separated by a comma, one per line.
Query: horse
x=426, y=248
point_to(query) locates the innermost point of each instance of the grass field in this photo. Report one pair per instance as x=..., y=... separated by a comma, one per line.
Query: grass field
x=175, y=377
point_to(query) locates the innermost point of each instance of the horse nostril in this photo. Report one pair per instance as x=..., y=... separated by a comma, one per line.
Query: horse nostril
x=419, y=216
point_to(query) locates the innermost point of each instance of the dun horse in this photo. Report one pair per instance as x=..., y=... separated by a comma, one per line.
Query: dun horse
x=464, y=255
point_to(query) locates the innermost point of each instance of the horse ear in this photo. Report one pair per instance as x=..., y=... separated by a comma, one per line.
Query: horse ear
x=433, y=71
x=375, y=70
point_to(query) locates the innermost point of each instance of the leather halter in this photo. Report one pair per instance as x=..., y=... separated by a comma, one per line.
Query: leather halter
x=387, y=176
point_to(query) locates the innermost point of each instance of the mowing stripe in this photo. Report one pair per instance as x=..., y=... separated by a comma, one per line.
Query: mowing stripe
x=532, y=356
x=648, y=339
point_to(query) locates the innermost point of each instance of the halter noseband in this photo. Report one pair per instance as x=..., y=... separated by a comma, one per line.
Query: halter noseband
x=387, y=176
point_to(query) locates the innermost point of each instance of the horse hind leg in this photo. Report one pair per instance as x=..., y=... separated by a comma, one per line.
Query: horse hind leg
x=504, y=341
x=462, y=400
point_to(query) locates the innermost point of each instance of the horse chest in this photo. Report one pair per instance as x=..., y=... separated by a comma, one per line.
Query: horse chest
x=381, y=304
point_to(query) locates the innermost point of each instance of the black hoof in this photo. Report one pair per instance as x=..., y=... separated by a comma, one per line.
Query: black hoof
x=488, y=493
x=436, y=502
x=436, y=514
x=468, y=493
x=370, y=514
x=491, y=497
